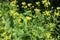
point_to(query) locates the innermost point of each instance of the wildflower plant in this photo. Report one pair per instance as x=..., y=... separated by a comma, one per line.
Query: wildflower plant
x=38, y=21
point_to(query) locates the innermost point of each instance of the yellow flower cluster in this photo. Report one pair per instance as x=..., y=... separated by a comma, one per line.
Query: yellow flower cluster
x=46, y=3
x=3, y=28
x=13, y=13
x=29, y=4
x=13, y=3
x=51, y=24
x=47, y=13
x=24, y=7
x=3, y=34
x=18, y=20
x=56, y=13
x=48, y=35
x=7, y=37
x=38, y=3
x=28, y=18
x=23, y=3
x=37, y=10
x=58, y=7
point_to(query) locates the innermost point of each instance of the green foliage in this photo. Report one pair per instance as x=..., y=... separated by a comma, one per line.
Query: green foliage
x=42, y=25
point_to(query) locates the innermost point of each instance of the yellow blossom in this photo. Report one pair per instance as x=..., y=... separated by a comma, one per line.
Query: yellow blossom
x=17, y=5
x=7, y=37
x=57, y=14
x=32, y=6
x=51, y=24
x=37, y=10
x=23, y=3
x=28, y=18
x=3, y=28
x=48, y=35
x=44, y=1
x=47, y=4
x=58, y=7
x=13, y=3
x=18, y=20
x=37, y=3
x=3, y=34
x=29, y=4
x=16, y=13
x=13, y=13
x=47, y=13
x=25, y=6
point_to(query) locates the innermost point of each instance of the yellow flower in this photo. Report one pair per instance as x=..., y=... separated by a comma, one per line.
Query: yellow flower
x=29, y=4
x=28, y=18
x=44, y=1
x=32, y=6
x=58, y=7
x=16, y=13
x=51, y=24
x=18, y=20
x=48, y=35
x=3, y=28
x=57, y=14
x=3, y=34
x=37, y=3
x=25, y=6
x=7, y=37
x=13, y=3
x=23, y=3
x=47, y=13
x=37, y=10
x=47, y=4
x=13, y=13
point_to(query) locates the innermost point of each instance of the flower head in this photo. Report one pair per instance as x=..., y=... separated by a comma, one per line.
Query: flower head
x=47, y=4
x=13, y=3
x=37, y=10
x=51, y=24
x=28, y=18
x=47, y=13
x=23, y=3
x=58, y=7
x=13, y=13
x=37, y=3
x=48, y=35
x=29, y=4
